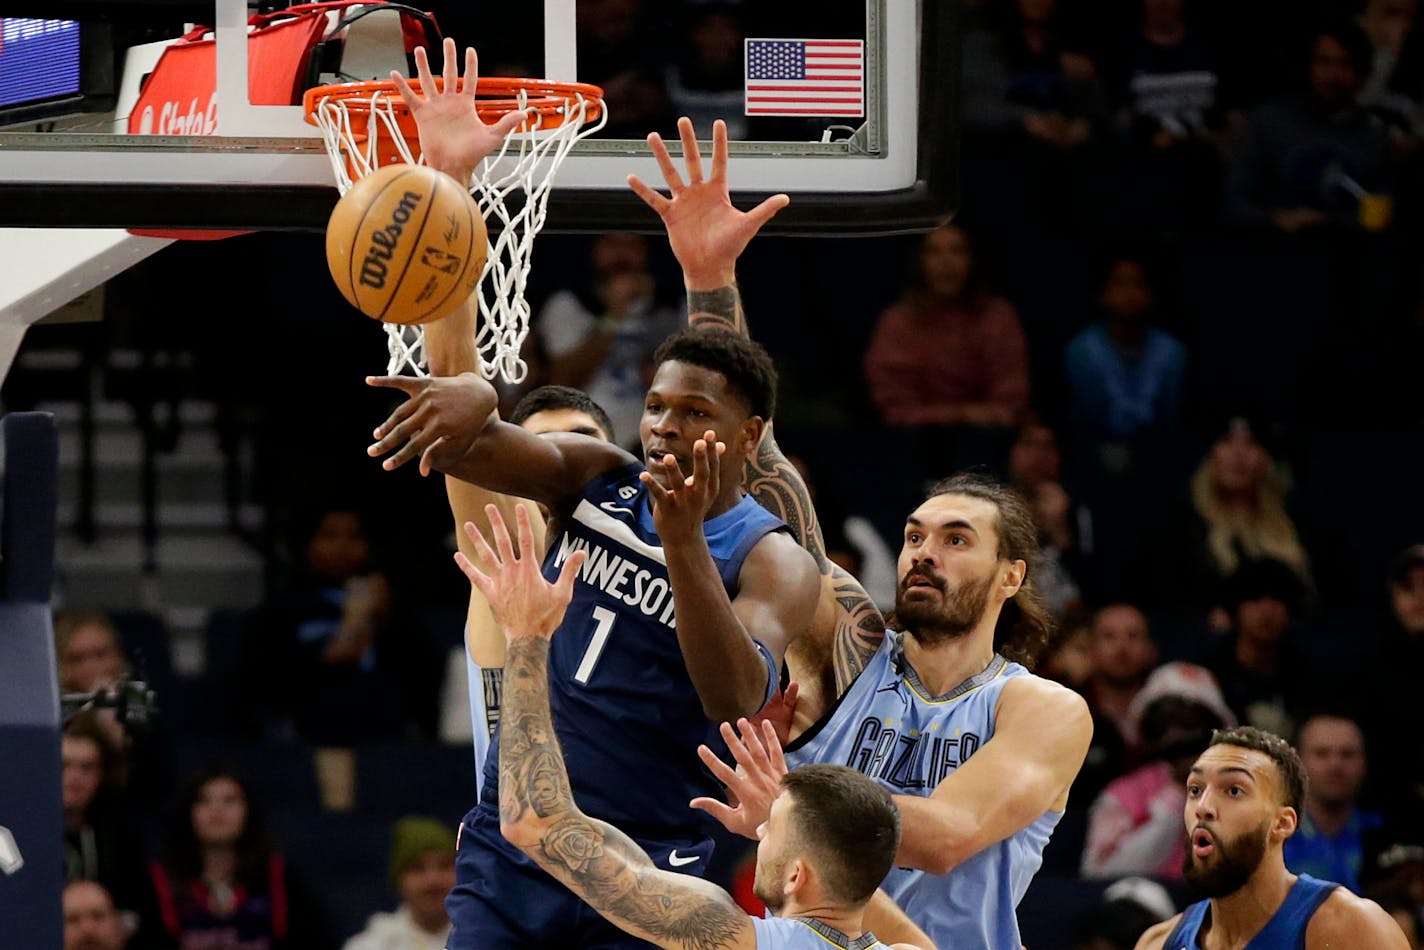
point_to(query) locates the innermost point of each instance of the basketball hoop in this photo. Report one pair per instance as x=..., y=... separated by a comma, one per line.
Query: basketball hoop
x=366, y=125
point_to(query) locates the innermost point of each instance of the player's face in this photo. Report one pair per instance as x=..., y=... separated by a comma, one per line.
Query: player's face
x=685, y=401
x=1233, y=804
x=90, y=920
x=949, y=567
x=772, y=841
x=220, y=812
x=564, y=420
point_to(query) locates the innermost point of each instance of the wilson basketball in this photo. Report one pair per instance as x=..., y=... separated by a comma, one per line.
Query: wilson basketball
x=406, y=244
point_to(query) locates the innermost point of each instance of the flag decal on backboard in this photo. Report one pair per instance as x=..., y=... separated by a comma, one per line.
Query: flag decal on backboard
x=805, y=77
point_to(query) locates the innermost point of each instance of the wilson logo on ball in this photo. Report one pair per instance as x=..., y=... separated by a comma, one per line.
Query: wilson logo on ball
x=385, y=239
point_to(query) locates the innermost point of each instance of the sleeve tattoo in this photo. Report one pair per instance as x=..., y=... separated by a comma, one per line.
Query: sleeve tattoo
x=773, y=481
x=595, y=860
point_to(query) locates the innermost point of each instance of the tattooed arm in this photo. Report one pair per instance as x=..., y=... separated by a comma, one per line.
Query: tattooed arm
x=593, y=859
x=707, y=235
x=537, y=812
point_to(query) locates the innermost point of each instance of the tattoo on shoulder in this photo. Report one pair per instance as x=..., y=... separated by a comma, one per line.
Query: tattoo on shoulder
x=773, y=481
x=860, y=628
x=721, y=307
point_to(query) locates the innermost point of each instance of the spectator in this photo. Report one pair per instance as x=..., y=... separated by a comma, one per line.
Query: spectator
x=1128, y=908
x=91, y=922
x=1125, y=388
x=220, y=885
x=707, y=82
x=601, y=339
x=1135, y=825
x=619, y=50
x=1124, y=375
x=1238, y=513
x=1388, y=24
x=949, y=359
x=1260, y=672
x=87, y=650
x=340, y=648
x=1034, y=469
x=1022, y=79
x=1329, y=842
x=100, y=840
x=1306, y=161
x=423, y=872
x=1171, y=81
x=1396, y=717
x=1123, y=656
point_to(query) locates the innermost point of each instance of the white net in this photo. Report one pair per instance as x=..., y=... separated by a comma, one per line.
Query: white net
x=523, y=169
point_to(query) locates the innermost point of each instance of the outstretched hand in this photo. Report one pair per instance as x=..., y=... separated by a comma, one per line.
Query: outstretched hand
x=680, y=505
x=453, y=137
x=437, y=424
x=524, y=605
x=753, y=785
x=706, y=231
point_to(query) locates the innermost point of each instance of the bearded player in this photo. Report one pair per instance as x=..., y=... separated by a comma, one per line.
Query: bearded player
x=1243, y=801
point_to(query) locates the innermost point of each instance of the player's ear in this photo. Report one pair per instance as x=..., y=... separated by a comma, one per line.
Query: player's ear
x=752, y=431
x=1014, y=576
x=1285, y=823
x=797, y=874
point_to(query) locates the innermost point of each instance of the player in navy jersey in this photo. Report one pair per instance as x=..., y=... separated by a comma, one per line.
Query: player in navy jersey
x=978, y=752
x=640, y=680
x=826, y=845
x=1243, y=801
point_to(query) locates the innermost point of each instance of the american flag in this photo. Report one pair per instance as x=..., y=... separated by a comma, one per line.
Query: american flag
x=805, y=77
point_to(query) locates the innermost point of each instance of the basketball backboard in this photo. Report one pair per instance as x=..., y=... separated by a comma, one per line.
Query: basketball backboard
x=876, y=156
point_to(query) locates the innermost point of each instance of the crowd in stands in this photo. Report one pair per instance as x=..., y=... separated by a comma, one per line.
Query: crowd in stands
x=1181, y=310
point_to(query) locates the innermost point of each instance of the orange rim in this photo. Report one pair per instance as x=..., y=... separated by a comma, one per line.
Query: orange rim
x=495, y=97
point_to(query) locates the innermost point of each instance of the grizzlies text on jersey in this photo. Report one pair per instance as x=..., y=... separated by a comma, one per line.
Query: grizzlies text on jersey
x=889, y=727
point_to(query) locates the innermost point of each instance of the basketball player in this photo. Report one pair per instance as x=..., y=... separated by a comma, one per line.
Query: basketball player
x=825, y=847
x=978, y=752
x=707, y=234
x=454, y=142
x=1243, y=801
x=636, y=683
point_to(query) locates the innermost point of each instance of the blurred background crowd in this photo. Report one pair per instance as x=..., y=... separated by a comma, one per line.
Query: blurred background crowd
x=1181, y=309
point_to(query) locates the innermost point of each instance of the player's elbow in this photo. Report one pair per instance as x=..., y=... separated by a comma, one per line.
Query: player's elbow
x=730, y=705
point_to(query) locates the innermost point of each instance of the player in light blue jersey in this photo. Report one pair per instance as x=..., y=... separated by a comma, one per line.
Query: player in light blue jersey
x=978, y=752
x=1243, y=801
x=828, y=840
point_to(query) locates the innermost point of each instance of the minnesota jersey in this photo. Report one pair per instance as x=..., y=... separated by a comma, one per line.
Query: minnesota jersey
x=804, y=933
x=1284, y=931
x=889, y=727
x=624, y=707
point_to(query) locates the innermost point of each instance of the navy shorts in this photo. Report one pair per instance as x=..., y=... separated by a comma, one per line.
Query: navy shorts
x=504, y=901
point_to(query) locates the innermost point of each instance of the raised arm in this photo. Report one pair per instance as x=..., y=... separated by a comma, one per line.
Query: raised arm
x=1041, y=737
x=707, y=234
x=718, y=635
x=454, y=139
x=536, y=806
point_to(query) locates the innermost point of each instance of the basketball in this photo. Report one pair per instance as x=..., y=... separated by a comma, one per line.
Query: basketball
x=406, y=244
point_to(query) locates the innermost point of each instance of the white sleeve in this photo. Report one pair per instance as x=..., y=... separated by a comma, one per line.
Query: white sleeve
x=563, y=323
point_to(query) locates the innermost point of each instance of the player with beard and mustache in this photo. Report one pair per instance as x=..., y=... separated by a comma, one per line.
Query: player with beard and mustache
x=977, y=751
x=1243, y=801
x=824, y=848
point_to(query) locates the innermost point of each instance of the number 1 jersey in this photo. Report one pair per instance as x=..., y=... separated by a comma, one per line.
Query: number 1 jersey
x=625, y=710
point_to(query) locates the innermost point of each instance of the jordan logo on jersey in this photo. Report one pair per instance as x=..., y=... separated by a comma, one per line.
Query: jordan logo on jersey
x=916, y=760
